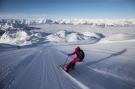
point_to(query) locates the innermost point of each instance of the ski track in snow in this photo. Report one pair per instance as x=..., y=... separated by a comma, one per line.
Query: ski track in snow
x=76, y=81
x=33, y=68
x=36, y=68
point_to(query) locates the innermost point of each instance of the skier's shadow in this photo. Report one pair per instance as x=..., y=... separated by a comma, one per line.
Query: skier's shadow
x=112, y=55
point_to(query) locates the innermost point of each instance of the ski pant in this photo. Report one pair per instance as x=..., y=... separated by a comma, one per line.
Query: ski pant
x=72, y=63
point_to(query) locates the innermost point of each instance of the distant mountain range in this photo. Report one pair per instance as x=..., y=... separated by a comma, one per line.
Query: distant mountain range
x=7, y=24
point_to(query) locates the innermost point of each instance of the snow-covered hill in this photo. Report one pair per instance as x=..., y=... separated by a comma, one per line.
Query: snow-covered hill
x=68, y=36
x=18, y=37
x=15, y=37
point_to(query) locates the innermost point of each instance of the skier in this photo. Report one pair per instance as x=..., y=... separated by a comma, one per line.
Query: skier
x=79, y=58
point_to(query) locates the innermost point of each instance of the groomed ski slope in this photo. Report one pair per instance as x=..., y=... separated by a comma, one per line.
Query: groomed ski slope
x=106, y=66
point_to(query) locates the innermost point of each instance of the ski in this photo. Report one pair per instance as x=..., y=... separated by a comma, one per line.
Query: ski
x=81, y=85
x=62, y=67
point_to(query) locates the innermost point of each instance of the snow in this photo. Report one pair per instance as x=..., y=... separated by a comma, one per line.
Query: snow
x=15, y=37
x=91, y=22
x=67, y=36
x=98, y=22
x=119, y=37
x=6, y=26
x=82, y=86
x=109, y=58
x=10, y=24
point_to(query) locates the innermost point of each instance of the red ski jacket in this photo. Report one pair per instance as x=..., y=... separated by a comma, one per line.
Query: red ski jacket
x=75, y=52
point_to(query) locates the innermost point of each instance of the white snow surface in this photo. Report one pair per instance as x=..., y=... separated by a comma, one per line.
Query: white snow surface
x=119, y=38
x=107, y=65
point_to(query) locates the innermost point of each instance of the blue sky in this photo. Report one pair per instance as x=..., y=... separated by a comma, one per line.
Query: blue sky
x=68, y=8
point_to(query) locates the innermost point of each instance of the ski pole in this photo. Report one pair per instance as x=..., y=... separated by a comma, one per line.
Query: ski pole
x=66, y=61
